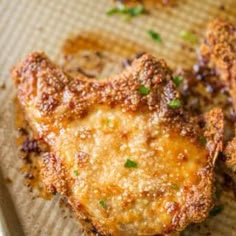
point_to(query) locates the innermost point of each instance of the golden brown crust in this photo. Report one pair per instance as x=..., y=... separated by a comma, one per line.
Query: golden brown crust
x=219, y=50
x=54, y=174
x=58, y=97
x=93, y=128
x=51, y=83
x=199, y=199
x=214, y=131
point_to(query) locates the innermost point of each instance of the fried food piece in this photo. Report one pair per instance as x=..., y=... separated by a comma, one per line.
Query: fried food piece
x=128, y=159
x=219, y=51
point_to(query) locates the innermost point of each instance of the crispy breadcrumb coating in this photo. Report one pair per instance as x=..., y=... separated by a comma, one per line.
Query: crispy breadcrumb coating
x=129, y=159
x=219, y=51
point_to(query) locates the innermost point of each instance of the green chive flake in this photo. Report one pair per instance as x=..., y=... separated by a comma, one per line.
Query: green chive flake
x=113, y=11
x=107, y=121
x=130, y=164
x=103, y=203
x=135, y=11
x=202, y=140
x=129, y=11
x=155, y=36
x=216, y=210
x=188, y=36
x=76, y=172
x=174, y=104
x=144, y=90
x=175, y=186
x=177, y=80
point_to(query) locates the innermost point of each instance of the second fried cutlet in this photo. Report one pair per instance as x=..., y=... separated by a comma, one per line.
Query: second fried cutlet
x=219, y=51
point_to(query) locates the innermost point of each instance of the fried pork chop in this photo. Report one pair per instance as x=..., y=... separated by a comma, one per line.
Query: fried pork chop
x=123, y=151
x=219, y=52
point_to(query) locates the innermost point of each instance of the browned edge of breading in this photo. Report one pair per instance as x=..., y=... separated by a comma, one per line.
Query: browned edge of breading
x=199, y=200
x=219, y=52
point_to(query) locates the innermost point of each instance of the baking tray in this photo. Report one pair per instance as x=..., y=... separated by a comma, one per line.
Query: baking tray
x=30, y=25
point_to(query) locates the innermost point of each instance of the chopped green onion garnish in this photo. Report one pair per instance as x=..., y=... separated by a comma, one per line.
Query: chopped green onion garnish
x=130, y=164
x=175, y=186
x=135, y=11
x=113, y=11
x=188, y=36
x=102, y=203
x=202, y=140
x=130, y=11
x=155, y=36
x=174, y=104
x=107, y=122
x=76, y=172
x=117, y=10
x=177, y=80
x=144, y=90
x=216, y=210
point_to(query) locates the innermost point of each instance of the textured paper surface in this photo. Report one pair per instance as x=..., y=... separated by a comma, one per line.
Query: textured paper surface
x=30, y=25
